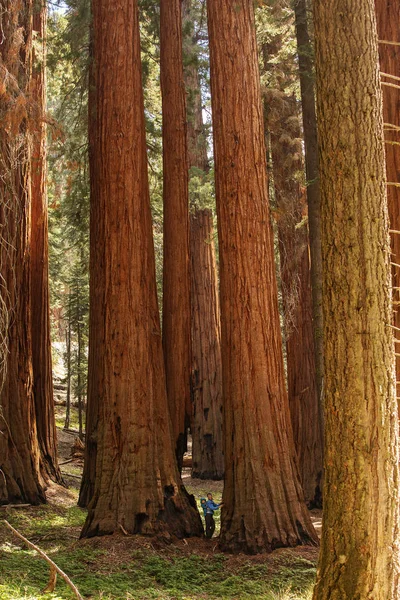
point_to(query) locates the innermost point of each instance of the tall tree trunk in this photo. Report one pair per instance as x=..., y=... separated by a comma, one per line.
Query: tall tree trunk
x=360, y=537
x=305, y=52
x=68, y=353
x=284, y=127
x=206, y=426
x=264, y=505
x=41, y=342
x=176, y=271
x=208, y=460
x=20, y=479
x=137, y=484
x=97, y=298
x=388, y=18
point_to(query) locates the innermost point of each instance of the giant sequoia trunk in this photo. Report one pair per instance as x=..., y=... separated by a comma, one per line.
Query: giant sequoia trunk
x=360, y=537
x=264, y=506
x=41, y=343
x=307, y=87
x=388, y=18
x=176, y=272
x=20, y=479
x=305, y=411
x=208, y=460
x=137, y=485
x=206, y=425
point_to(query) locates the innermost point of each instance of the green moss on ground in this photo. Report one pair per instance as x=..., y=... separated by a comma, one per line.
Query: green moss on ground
x=132, y=568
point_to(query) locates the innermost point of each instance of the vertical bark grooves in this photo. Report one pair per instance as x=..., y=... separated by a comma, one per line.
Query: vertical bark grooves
x=20, y=479
x=41, y=342
x=306, y=73
x=388, y=22
x=264, y=506
x=207, y=449
x=176, y=273
x=137, y=485
x=360, y=539
x=97, y=299
x=206, y=389
x=284, y=127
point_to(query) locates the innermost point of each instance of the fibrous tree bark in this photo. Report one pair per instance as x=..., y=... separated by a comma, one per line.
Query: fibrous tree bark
x=388, y=15
x=137, y=485
x=264, y=505
x=291, y=209
x=41, y=342
x=176, y=268
x=360, y=537
x=206, y=425
x=20, y=479
x=95, y=387
x=305, y=53
x=207, y=448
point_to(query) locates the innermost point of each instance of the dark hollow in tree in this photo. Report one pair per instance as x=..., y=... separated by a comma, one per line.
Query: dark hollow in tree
x=360, y=536
x=264, y=506
x=137, y=485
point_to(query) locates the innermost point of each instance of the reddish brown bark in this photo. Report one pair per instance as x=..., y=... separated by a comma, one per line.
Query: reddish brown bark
x=305, y=53
x=291, y=204
x=41, y=342
x=206, y=426
x=207, y=448
x=388, y=23
x=97, y=299
x=137, y=486
x=20, y=479
x=264, y=505
x=176, y=271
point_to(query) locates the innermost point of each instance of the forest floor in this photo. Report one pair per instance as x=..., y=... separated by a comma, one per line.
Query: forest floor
x=134, y=568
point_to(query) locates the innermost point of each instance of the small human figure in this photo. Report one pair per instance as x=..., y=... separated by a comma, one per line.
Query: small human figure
x=211, y=506
x=203, y=504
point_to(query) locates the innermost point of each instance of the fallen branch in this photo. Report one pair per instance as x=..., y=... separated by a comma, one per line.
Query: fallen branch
x=53, y=567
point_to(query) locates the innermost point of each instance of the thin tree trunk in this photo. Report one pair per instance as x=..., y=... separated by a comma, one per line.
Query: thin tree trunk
x=97, y=298
x=388, y=18
x=206, y=426
x=296, y=292
x=41, y=342
x=137, y=484
x=264, y=505
x=68, y=400
x=360, y=539
x=20, y=479
x=208, y=459
x=305, y=53
x=176, y=271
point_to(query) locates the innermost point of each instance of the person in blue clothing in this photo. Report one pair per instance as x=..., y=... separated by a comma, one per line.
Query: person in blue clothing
x=210, y=507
